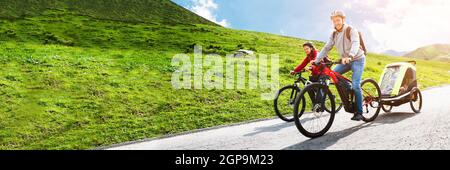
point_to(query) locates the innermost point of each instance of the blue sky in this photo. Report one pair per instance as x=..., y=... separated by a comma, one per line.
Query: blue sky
x=401, y=25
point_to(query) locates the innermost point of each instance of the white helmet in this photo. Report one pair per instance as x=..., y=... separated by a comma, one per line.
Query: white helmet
x=338, y=13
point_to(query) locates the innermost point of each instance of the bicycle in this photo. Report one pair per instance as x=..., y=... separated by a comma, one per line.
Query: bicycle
x=317, y=94
x=288, y=94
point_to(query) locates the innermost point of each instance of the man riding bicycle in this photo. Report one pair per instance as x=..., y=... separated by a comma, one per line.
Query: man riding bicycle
x=348, y=42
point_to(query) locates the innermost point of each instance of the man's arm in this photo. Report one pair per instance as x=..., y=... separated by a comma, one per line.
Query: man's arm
x=354, y=34
x=326, y=49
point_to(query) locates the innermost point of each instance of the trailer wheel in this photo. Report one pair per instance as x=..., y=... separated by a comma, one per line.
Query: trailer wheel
x=386, y=108
x=416, y=100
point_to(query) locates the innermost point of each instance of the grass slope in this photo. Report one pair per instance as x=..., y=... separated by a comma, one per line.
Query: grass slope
x=162, y=11
x=72, y=81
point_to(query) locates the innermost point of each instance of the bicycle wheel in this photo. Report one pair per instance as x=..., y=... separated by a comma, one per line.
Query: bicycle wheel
x=284, y=102
x=416, y=101
x=337, y=100
x=339, y=104
x=371, y=100
x=311, y=118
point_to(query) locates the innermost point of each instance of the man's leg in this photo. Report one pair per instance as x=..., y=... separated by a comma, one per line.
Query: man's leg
x=342, y=69
x=358, y=69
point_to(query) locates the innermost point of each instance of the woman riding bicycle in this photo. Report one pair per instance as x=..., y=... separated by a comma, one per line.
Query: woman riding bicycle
x=285, y=98
x=311, y=54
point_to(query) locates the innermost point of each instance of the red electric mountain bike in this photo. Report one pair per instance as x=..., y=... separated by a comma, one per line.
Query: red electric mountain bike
x=310, y=116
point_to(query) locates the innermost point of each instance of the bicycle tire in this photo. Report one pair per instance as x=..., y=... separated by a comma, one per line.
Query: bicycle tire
x=301, y=111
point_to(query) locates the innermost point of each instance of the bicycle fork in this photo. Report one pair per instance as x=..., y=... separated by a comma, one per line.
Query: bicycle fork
x=318, y=101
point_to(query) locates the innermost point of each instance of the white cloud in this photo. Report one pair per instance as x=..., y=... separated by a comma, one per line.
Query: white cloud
x=348, y=5
x=406, y=24
x=206, y=8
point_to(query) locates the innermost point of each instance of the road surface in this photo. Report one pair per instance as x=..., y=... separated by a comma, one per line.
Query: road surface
x=400, y=130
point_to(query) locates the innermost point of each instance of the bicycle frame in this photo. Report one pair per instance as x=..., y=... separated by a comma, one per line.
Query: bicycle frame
x=347, y=96
x=301, y=79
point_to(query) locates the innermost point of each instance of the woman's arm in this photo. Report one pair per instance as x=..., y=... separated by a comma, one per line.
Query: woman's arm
x=302, y=65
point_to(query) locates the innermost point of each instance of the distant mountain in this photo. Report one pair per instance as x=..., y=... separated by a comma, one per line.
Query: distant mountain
x=395, y=53
x=440, y=52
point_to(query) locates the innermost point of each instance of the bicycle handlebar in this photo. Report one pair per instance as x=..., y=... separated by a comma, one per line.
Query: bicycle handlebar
x=334, y=62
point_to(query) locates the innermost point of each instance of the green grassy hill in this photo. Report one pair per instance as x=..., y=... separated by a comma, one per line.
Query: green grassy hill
x=80, y=78
x=163, y=11
x=438, y=52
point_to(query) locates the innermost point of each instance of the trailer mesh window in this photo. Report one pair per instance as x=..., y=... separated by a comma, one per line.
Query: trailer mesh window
x=389, y=80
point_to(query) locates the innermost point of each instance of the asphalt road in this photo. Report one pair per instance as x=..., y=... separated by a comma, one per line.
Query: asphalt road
x=400, y=130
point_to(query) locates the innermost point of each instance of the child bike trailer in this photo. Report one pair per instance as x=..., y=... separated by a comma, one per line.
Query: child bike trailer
x=398, y=85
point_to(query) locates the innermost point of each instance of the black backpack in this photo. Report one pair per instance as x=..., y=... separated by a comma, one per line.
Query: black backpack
x=361, y=40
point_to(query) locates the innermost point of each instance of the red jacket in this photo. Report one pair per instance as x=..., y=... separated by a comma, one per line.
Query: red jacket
x=312, y=56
